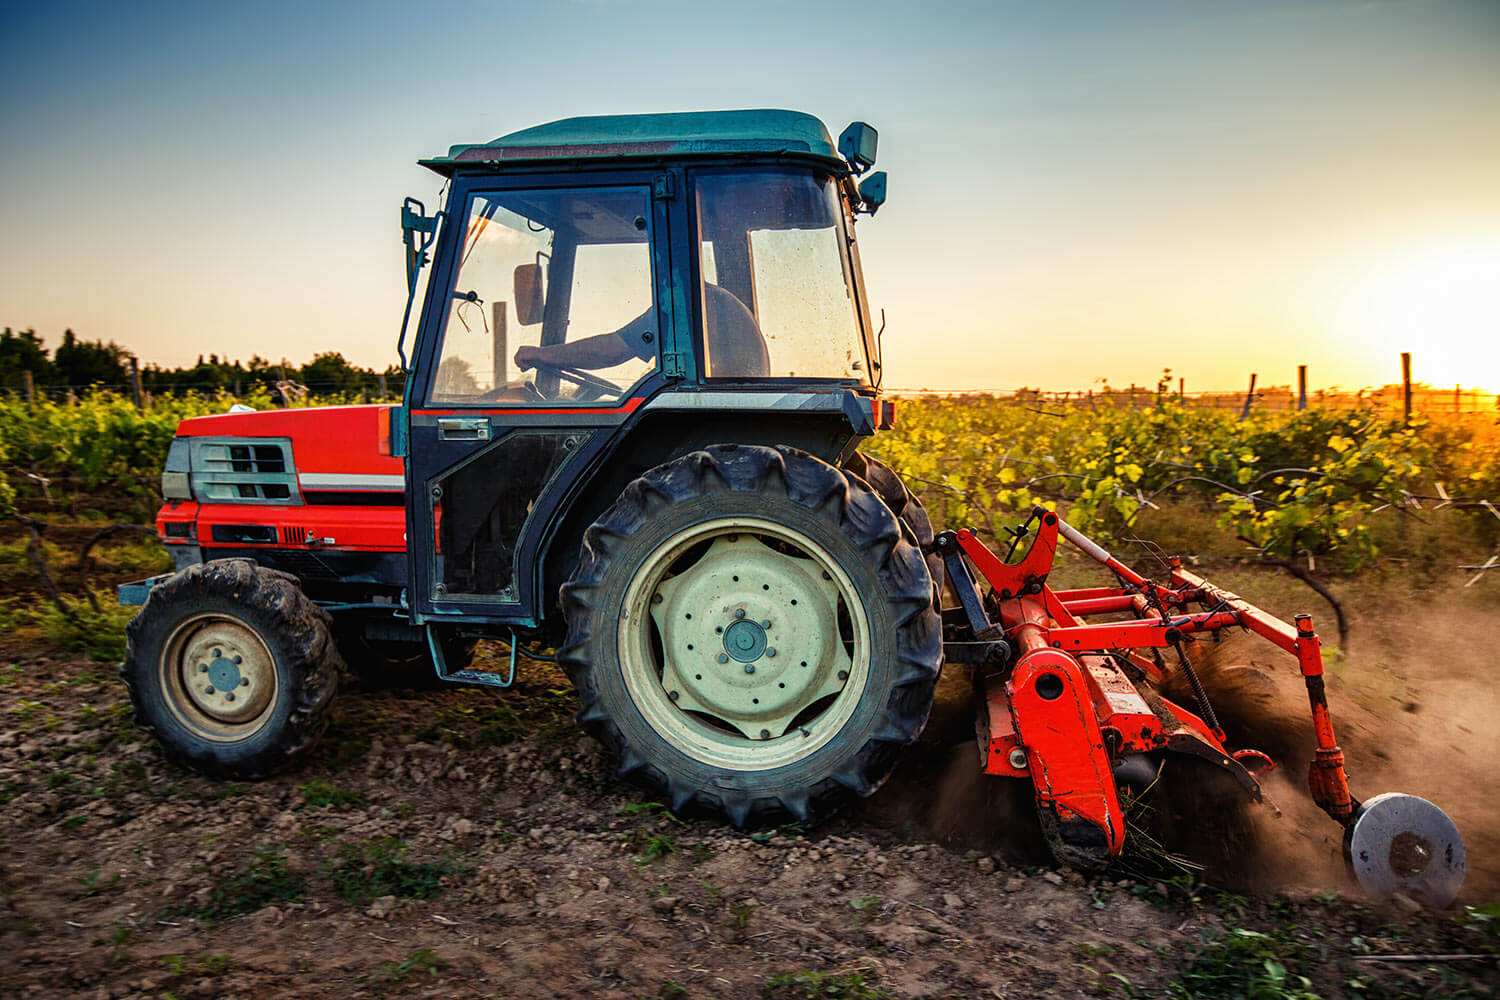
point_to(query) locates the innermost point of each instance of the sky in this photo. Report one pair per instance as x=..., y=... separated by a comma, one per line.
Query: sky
x=1079, y=192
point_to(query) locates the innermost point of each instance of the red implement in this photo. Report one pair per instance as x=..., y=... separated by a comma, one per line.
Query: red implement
x=1068, y=712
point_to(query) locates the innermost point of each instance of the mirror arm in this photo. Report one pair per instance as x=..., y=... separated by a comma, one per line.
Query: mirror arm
x=418, y=230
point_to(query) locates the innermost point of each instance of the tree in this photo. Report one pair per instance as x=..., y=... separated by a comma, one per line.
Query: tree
x=330, y=373
x=20, y=353
x=82, y=363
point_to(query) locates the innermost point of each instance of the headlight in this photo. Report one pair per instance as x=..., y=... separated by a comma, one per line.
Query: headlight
x=174, y=475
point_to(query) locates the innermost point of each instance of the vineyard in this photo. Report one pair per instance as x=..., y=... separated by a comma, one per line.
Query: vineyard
x=438, y=841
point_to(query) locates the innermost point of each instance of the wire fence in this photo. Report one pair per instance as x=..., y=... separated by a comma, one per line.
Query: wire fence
x=1425, y=400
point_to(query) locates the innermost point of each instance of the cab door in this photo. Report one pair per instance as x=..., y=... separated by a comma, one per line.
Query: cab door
x=542, y=333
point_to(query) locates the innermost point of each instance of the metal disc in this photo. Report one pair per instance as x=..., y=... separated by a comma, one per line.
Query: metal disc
x=1403, y=843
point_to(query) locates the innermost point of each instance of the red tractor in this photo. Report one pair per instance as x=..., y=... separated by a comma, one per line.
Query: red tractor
x=641, y=371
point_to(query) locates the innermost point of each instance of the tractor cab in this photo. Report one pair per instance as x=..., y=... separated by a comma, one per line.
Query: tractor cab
x=604, y=294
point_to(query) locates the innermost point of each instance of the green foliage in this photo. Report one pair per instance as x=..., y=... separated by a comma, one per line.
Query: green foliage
x=422, y=961
x=323, y=793
x=1291, y=483
x=99, y=635
x=1244, y=963
x=656, y=847
x=1484, y=923
x=265, y=880
x=376, y=868
x=823, y=986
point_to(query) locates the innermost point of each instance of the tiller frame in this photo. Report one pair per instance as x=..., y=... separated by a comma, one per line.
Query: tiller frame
x=1061, y=705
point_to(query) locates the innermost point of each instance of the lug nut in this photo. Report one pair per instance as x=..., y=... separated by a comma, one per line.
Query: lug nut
x=718, y=630
x=209, y=689
x=244, y=682
x=843, y=675
x=672, y=695
x=238, y=660
x=739, y=612
x=203, y=668
x=771, y=651
x=765, y=623
x=749, y=668
x=723, y=657
x=765, y=734
x=229, y=696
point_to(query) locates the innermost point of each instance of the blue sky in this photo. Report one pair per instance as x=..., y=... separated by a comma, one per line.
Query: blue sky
x=1078, y=191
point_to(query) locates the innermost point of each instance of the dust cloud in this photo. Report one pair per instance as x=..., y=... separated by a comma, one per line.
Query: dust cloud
x=1414, y=704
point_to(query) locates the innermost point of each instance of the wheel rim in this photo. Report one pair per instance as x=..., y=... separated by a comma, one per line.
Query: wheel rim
x=744, y=644
x=219, y=677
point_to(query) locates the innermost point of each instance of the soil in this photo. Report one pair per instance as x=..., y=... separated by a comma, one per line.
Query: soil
x=458, y=842
x=473, y=843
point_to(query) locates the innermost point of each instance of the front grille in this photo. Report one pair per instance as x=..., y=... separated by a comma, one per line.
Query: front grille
x=244, y=470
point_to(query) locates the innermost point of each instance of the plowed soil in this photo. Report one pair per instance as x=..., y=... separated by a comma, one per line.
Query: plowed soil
x=472, y=843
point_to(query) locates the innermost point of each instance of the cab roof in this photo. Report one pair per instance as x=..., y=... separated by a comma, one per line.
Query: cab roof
x=766, y=132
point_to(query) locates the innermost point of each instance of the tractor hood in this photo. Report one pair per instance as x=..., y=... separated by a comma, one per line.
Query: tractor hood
x=332, y=448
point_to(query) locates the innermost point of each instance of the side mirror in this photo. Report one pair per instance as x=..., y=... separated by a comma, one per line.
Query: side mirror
x=857, y=146
x=872, y=191
x=528, y=294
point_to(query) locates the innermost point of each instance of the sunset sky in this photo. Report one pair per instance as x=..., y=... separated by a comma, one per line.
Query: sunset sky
x=1079, y=191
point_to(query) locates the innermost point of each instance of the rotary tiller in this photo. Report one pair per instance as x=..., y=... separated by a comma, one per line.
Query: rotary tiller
x=1072, y=705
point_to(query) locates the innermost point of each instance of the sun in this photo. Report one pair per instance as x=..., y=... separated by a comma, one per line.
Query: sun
x=1441, y=303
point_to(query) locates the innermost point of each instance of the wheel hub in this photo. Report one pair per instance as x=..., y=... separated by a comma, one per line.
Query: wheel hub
x=745, y=641
x=750, y=636
x=225, y=673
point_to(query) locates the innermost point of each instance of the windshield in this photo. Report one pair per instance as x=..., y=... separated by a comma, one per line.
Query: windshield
x=778, y=296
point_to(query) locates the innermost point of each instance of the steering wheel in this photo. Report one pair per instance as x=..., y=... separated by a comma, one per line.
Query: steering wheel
x=579, y=377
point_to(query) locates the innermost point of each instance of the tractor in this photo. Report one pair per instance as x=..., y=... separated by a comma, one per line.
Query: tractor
x=641, y=369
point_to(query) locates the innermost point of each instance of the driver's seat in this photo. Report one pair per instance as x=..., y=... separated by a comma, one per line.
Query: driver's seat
x=736, y=347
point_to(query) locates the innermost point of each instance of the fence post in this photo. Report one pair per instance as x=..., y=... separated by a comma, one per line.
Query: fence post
x=1181, y=395
x=1301, y=387
x=381, y=377
x=1406, y=387
x=135, y=384
x=1458, y=406
x=1249, y=397
x=30, y=389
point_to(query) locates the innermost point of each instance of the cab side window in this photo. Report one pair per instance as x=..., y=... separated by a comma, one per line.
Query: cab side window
x=540, y=273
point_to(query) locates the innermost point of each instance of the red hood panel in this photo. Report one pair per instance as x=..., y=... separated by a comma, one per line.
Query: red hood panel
x=325, y=439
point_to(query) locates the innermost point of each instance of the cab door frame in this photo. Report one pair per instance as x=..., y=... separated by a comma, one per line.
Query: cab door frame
x=429, y=456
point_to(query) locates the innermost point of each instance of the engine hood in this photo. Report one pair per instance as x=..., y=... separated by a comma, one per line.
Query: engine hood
x=333, y=447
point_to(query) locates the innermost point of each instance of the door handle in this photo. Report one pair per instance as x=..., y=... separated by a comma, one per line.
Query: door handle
x=463, y=428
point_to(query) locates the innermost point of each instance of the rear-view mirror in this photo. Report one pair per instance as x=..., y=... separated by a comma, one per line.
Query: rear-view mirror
x=529, y=295
x=857, y=146
x=872, y=191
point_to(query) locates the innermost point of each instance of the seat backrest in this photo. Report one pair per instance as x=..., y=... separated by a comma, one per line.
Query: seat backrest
x=736, y=347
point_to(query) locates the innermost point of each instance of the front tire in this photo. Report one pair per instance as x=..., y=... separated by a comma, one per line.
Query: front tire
x=752, y=634
x=232, y=668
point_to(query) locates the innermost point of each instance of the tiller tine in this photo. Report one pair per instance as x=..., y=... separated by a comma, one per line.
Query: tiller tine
x=1061, y=705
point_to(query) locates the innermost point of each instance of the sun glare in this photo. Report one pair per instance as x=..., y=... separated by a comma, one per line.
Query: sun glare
x=1442, y=304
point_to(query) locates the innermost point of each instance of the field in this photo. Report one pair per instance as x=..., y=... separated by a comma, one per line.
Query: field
x=472, y=843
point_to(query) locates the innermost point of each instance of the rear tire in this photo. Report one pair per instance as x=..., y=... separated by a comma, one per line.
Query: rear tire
x=828, y=575
x=907, y=507
x=232, y=668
